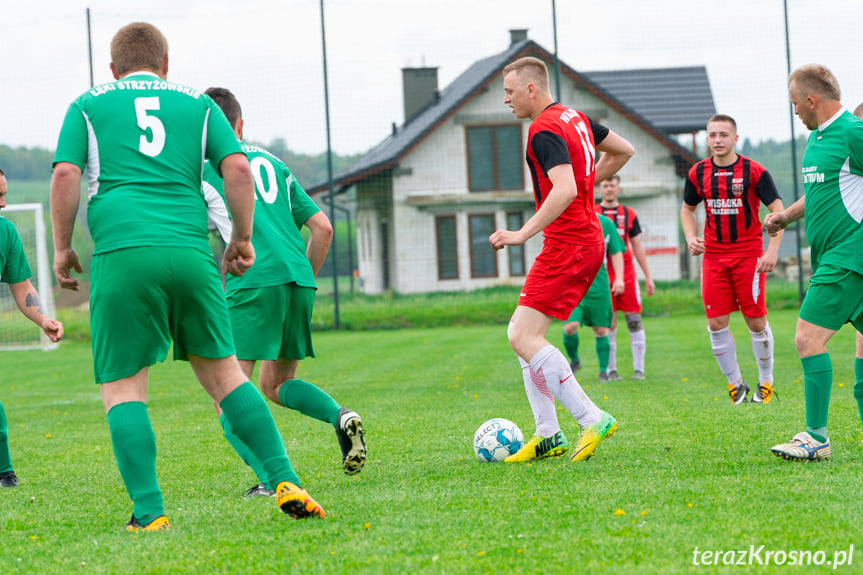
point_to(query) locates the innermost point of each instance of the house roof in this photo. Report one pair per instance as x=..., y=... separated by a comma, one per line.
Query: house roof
x=471, y=83
x=675, y=100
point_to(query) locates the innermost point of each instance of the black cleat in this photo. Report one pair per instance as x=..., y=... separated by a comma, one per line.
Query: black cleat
x=349, y=431
x=259, y=490
x=8, y=479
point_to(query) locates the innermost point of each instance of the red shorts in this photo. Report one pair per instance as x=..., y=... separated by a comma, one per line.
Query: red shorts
x=630, y=300
x=731, y=284
x=560, y=276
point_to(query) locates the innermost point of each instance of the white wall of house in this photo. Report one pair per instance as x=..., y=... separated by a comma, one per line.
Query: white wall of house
x=369, y=251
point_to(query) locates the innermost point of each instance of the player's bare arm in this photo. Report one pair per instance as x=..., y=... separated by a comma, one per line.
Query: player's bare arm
x=617, y=287
x=65, y=195
x=616, y=151
x=27, y=299
x=775, y=222
x=767, y=262
x=694, y=244
x=240, y=197
x=320, y=238
x=562, y=193
x=641, y=257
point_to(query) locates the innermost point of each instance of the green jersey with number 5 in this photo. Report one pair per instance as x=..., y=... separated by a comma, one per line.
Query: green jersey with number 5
x=143, y=141
x=282, y=206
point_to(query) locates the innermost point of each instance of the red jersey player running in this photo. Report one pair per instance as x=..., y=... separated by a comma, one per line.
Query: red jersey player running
x=629, y=301
x=561, y=152
x=735, y=263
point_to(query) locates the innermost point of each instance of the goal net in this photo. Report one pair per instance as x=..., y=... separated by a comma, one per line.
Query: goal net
x=16, y=331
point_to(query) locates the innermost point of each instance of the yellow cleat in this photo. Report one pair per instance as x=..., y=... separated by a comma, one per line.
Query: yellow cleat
x=160, y=523
x=764, y=393
x=539, y=448
x=592, y=436
x=296, y=502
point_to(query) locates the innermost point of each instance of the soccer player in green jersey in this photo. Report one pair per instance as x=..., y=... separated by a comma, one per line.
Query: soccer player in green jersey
x=15, y=271
x=143, y=141
x=833, y=206
x=271, y=305
x=595, y=309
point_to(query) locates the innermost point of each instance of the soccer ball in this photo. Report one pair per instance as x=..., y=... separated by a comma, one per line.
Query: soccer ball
x=497, y=439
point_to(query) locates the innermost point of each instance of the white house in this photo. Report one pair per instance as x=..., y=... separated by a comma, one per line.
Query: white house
x=431, y=193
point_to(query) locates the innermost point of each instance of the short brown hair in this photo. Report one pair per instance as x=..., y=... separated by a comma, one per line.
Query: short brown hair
x=613, y=177
x=533, y=69
x=723, y=118
x=138, y=46
x=227, y=102
x=815, y=79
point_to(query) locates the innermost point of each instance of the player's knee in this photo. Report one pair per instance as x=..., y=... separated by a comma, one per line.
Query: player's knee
x=633, y=322
x=270, y=389
x=570, y=328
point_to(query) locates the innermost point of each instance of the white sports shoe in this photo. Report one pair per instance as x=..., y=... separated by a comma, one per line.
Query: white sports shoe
x=803, y=447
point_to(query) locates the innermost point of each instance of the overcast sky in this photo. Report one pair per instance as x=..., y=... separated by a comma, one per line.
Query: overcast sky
x=269, y=53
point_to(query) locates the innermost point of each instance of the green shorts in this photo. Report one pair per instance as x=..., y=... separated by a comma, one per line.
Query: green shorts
x=143, y=298
x=834, y=298
x=273, y=322
x=595, y=307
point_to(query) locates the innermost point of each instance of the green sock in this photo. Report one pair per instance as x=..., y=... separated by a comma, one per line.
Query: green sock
x=5, y=457
x=135, y=450
x=817, y=381
x=243, y=451
x=310, y=400
x=251, y=421
x=602, y=349
x=570, y=343
x=858, y=386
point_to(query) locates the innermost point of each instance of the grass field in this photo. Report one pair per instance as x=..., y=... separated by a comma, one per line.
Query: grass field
x=685, y=470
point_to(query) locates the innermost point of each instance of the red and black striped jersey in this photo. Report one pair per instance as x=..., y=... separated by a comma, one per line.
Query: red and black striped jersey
x=627, y=224
x=628, y=227
x=732, y=197
x=561, y=135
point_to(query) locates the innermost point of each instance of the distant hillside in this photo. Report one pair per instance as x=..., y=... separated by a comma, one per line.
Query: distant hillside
x=776, y=157
x=26, y=164
x=34, y=164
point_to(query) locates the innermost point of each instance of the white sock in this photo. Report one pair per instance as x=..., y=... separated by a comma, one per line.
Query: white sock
x=638, y=343
x=549, y=365
x=725, y=351
x=612, y=350
x=762, y=348
x=541, y=401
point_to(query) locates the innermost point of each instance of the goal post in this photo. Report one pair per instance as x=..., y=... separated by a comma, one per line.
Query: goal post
x=16, y=331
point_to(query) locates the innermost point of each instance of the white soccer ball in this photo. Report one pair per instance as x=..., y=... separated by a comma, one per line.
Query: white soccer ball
x=497, y=439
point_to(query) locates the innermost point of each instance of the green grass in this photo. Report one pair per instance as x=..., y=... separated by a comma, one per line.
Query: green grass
x=685, y=468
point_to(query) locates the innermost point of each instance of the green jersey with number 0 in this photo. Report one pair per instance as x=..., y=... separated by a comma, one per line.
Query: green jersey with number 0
x=281, y=209
x=143, y=141
x=833, y=182
x=613, y=245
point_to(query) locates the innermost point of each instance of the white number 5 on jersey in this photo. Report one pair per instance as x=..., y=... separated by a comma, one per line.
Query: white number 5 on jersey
x=145, y=121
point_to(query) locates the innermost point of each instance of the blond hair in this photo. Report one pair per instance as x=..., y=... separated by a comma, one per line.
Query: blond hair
x=529, y=69
x=722, y=118
x=815, y=79
x=138, y=46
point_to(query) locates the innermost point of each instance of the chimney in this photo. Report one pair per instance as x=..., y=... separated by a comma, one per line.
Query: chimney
x=419, y=87
x=517, y=35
